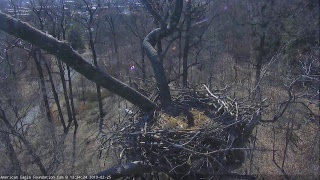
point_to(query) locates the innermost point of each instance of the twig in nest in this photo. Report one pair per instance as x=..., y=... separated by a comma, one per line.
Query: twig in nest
x=216, y=97
x=216, y=147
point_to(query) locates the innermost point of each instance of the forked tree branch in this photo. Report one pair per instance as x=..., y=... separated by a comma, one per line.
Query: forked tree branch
x=154, y=13
x=148, y=44
x=63, y=51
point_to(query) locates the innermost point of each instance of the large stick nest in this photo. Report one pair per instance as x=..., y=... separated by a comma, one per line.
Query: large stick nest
x=202, y=134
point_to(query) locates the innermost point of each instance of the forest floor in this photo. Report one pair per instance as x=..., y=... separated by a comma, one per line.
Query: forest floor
x=88, y=137
x=269, y=158
x=274, y=154
x=278, y=149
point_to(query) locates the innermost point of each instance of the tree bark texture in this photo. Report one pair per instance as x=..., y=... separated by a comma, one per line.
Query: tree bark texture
x=150, y=42
x=98, y=88
x=186, y=46
x=259, y=59
x=37, y=58
x=65, y=93
x=71, y=95
x=63, y=51
x=56, y=96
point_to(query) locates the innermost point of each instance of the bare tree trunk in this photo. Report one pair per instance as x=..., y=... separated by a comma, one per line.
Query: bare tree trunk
x=180, y=56
x=37, y=58
x=65, y=93
x=74, y=143
x=143, y=65
x=288, y=135
x=71, y=94
x=259, y=59
x=30, y=149
x=150, y=42
x=65, y=53
x=115, y=55
x=82, y=88
x=71, y=106
x=15, y=163
x=95, y=62
x=186, y=46
x=113, y=33
x=55, y=95
x=159, y=49
x=162, y=83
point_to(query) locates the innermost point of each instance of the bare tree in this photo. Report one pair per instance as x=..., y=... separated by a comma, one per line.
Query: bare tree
x=66, y=54
x=37, y=56
x=155, y=37
x=15, y=163
x=91, y=24
x=137, y=25
x=29, y=147
x=186, y=45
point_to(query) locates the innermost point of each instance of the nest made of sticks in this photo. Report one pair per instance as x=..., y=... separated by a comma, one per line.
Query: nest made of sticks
x=201, y=134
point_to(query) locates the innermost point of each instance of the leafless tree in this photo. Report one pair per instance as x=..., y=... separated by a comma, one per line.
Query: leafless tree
x=152, y=39
x=64, y=52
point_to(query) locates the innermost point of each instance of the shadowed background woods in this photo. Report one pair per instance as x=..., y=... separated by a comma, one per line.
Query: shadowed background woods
x=242, y=72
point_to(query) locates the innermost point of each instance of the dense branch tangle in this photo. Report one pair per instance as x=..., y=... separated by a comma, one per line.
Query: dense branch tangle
x=214, y=145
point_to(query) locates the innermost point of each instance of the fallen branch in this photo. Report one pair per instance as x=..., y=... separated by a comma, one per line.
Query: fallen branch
x=63, y=51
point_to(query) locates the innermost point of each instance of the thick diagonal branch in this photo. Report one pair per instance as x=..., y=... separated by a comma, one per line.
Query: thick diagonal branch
x=64, y=52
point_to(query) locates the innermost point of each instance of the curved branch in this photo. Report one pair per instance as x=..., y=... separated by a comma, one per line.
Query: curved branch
x=148, y=44
x=63, y=51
